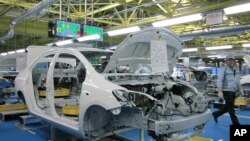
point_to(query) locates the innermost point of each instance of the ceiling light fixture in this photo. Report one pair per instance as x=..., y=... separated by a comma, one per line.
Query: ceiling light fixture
x=88, y=38
x=237, y=9
x=246, y=45
x=11, y=52
x=20, y=50
x=178, y=20
x=123, y=31
x=64, y=42
x=219, y=47
x=189, y=49
x=216, y=56
x=4, y=54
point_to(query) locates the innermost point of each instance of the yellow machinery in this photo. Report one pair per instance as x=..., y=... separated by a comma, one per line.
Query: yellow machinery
x=241, y=101
x=59, y=92
x=71, y=110
x=200, y=139
x=9, y=107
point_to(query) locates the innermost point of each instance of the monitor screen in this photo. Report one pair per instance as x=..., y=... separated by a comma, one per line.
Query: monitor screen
x=68, y=29
x=91, y=30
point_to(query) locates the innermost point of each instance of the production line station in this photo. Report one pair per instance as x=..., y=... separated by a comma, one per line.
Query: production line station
x=124, y=70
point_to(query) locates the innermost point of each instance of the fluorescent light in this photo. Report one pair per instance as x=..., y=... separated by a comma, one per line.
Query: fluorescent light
x=20, y=51
x=212, y=56
x=189, y=49
x=178, y=20
x=64, y=42
x=4, y=54
x=219, y=47
x=88, y=38
x=246, y=45
x=237, y=9
x=113, y=47
x=50, y=44
x=123, y=31
x=216, y=56
x=11, y=52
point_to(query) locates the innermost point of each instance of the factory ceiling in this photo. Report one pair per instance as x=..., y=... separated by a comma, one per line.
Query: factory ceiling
x=115, y=14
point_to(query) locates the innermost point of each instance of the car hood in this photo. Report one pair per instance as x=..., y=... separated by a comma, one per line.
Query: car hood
x=135, y=49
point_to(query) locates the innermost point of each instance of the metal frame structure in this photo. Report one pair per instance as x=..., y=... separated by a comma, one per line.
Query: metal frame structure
x=113, y=14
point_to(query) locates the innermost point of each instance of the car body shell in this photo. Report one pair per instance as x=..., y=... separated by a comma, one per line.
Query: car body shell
x=100, y=94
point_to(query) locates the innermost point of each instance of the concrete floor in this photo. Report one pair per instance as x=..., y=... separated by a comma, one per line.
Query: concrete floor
x=11, y=130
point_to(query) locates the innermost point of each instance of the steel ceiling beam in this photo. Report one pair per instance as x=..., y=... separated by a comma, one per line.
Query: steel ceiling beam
x=73, y=15
x=209, y=7
x=134, y=18
x=120, y=16
x=25, y=5
x=108, y=22
x=4, y=11
x=213, y=6
x=143, y=6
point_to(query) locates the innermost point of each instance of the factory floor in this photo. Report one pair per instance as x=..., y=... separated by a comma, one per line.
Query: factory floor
x=11, y=130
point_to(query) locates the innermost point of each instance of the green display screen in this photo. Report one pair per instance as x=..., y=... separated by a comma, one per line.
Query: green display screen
x=94, y=61
x=68, y=29
x=91, y=30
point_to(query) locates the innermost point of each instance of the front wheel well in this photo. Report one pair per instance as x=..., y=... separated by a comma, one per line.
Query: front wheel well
x=96, y=117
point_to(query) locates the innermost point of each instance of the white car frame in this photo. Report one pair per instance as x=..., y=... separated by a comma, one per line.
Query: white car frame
x=104, y=106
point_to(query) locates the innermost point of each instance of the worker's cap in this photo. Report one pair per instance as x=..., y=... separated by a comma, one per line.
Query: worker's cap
x=230, y=56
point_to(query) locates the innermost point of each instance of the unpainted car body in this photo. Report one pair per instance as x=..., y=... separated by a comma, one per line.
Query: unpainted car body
x=114, y=101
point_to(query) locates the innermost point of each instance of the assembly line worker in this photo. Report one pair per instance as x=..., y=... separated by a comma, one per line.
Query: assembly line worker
x=227, y=84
